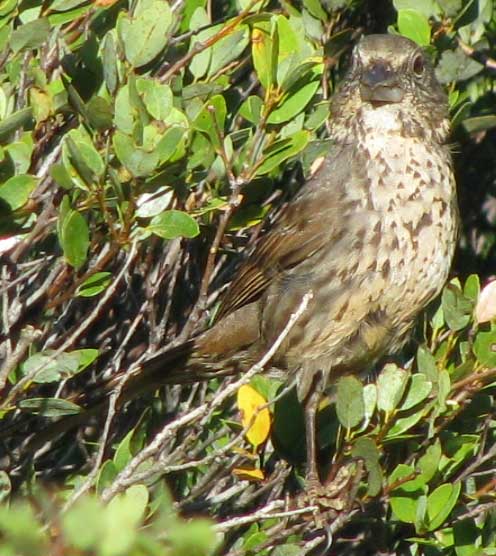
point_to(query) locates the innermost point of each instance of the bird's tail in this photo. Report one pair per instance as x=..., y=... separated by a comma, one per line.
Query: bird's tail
x=186, y=363
x=182, y=364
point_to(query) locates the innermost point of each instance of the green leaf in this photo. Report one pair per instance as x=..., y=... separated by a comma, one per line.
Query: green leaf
x=450, y=7
x=228, y=49
x=15, y=191
x=173, y=223
x=21, y=118
x=402, y=424
x=415, y=26
x=83, y=524
x=485, y=348
x=350, y=407
x=427, y=8
x=251, y=109
x=426, y=364
x=30, y=35
x=157, y=97
x=391, y=384
x=170, y=142
x=419, y=389
x=109, y=65
x=59, y=18
x=404, y=498
x=201, y=62
x=86, y=357
x=366, y=449
x=283, y=149
x=286, y=550
x=51, y=367
x=55, y=367
x=41, y=103
x=479, y=123
x=457, y=308
x=471, y=288
x=61, y=176
x=151, y=204
x=455, y=65
x=21, y=530
x=7, y=6
x=429, y=462
x=21, y=153
x=288, y=53
x=74, y=98
x=84, y=156
x=369, y=400
x=137, y=497
x=193, y=538
x=289, y=426
x=457, y=449
x=313, y=27
x=126, y=113
x=314, y=7
x=106, y=476
x=293, y=104
x=100, y=114
x=123, y=452
x=265, y=50
x=74, y=238
x=122, y=517
x=309, y=70
x=138, y=161
x=144, y=35
x=211, y=119
x=440, y=503
x=49, y=407
x=64, y=5
x=95, y=284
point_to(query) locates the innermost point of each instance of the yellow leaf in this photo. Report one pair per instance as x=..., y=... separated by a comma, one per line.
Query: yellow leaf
x=249, y=474
x=249, y=400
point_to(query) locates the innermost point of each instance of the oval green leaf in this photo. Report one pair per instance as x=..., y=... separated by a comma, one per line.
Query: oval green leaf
x=173, y=223
x=350, y=407
x=16, y=190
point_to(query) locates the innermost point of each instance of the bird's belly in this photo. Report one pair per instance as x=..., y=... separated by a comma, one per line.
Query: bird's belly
x=395, y=259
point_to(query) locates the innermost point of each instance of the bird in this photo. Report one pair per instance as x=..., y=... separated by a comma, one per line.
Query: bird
x=371, y=235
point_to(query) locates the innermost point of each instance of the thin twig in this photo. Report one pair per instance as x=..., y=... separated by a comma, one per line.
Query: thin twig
x=267, y=512
x=109, y=292
x=200, y=46
x=126, y=476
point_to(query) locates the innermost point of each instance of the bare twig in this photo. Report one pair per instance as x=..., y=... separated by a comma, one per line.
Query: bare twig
x=126, y=477
x=203, y=45
x=267, y=512
x=109, y=292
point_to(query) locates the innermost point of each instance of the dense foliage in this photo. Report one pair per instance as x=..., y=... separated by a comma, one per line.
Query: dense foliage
x=142, y=144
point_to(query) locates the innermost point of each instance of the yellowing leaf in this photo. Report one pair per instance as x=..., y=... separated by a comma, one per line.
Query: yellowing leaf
x=249, y=474
x=249, y=400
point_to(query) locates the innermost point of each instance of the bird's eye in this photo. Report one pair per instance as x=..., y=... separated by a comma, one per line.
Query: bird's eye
x=418, y=65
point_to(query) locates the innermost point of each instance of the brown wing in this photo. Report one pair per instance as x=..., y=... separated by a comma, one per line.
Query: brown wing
x=309, y=222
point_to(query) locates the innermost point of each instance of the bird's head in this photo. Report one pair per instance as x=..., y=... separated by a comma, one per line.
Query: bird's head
x=393, y=75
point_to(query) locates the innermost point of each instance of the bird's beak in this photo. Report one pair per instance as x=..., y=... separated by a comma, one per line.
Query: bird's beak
x=379, y=84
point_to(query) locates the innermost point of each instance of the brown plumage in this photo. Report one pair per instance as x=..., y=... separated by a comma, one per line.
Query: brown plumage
x=371, y=235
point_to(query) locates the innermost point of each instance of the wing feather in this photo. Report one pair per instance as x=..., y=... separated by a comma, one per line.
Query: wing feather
x=292, y=239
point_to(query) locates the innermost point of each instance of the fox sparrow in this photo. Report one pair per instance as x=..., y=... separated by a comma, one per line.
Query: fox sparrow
x=371, y=235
